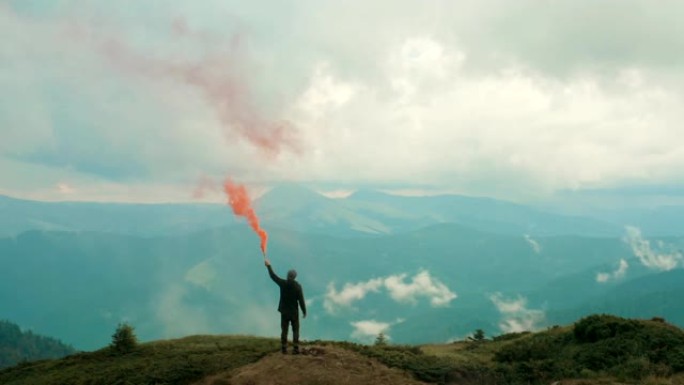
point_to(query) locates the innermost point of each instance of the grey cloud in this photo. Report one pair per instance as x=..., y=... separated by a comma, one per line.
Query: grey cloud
x=458, y=96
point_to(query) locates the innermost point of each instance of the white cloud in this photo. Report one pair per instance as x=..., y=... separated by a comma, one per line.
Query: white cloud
x=510, y=306
x=368, y=330
x=64, y=188
x=533, y=244
x=420, y=285
x=350, y=292
x=325, y=93
x=617, y=274
x=650, y=258
x=516, y=317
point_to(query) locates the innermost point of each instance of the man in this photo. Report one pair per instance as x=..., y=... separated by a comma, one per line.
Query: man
x=290, y=295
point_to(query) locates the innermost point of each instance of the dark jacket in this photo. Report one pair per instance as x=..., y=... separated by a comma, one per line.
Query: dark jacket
x=290, y=294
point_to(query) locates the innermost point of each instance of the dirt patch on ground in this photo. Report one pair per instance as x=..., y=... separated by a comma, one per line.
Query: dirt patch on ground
x=317, y=365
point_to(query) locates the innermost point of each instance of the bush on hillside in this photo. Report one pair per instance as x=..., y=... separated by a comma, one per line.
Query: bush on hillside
x=478, y=336
x=615, y=342
x=381, y=340
x=609, y=345
x=124, y=339
x=595, y=328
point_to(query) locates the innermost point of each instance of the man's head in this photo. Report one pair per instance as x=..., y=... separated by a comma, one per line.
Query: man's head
x=292, y=274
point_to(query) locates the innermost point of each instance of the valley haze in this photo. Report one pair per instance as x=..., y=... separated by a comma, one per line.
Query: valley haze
x=418, y=269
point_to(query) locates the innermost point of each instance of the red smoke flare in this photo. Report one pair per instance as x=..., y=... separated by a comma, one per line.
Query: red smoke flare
x=242, y=206
x=219, y=74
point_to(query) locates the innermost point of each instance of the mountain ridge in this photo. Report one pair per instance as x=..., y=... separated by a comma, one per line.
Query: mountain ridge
x=364, y=213
x=582, y=351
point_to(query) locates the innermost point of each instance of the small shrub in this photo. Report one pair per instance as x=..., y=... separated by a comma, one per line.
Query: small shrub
x=124, y=339
x=478, y=336
x=602, y=327
x=381, y=340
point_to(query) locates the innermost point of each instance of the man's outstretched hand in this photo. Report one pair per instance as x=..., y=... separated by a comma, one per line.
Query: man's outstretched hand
x=267, y=262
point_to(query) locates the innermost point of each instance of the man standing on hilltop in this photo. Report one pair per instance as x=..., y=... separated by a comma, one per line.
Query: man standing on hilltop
x=290, y=295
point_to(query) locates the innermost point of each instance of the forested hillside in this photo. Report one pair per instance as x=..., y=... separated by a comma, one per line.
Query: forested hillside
x=18, y=346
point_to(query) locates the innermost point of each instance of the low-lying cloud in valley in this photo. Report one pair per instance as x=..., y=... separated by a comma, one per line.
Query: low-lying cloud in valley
x=614, y=275
x=515, y=316
x=421, y=285
x=652, y=259
x=350, y=292
x=536, y=247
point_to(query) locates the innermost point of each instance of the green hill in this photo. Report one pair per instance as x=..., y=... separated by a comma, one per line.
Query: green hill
x=598, y=349
x=598, y=345
x=20, y=346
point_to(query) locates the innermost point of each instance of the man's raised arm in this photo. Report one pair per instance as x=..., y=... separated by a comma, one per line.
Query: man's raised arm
x=272, y=274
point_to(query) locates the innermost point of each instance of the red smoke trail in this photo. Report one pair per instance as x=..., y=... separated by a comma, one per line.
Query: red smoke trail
x=220, y=75
x=242, y=206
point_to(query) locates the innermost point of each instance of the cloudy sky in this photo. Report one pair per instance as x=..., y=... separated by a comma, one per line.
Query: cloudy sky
x=139, y=100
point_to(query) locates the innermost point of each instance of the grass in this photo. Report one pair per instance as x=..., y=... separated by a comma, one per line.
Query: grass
x=180, y=361
x=465, y=353
x=598, y=349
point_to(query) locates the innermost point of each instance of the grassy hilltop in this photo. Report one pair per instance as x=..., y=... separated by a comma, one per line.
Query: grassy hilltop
x=598, y=349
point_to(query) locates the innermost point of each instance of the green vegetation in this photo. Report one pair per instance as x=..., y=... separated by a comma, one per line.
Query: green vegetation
x=381, y=340
x=17, y=346
x=599, y=349
x=596, y=348
x=478, y=335
x=598, y=345
x=123, y=339
x=180, y=361
x=410, y=358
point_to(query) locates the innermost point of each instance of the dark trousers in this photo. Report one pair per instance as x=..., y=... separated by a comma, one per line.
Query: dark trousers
x=285, y=321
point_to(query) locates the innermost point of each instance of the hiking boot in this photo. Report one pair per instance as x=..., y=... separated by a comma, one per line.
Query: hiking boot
x=283, y=350
x=295, y=350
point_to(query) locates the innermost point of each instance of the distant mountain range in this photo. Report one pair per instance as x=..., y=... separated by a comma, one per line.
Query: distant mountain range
x=75, y=270
x=365, y=212
x=120, y=218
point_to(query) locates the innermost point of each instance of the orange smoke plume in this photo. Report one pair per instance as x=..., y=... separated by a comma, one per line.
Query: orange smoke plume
x=219, y=74
x=242, y=206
